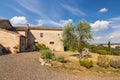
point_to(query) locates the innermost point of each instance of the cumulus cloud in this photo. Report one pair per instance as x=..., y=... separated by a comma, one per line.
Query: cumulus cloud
x=18, y=20
x=99, y=25
x=103, y=10
x=113, y=37
x=52, y=23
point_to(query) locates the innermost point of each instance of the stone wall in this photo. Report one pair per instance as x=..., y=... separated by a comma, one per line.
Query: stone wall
x=22, y=33
x=51, y=38
x=9, y=39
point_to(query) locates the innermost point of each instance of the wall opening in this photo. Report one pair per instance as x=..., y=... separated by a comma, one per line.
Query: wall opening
x=41, y=34
x=51, y=43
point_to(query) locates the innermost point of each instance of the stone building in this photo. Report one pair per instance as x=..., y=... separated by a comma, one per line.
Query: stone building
x=9, y=37
x=24, y=37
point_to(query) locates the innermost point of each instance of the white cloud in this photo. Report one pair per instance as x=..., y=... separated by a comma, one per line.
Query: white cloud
x=65, y=22
x=32, y=6
x=18, y=10
x=97, y=37
x=115, y=22
x=113, y=37
x=99, y=25
x=74, y=11
x=61, y=23
x=48, y=22
x=18, y=20
x=103, y=10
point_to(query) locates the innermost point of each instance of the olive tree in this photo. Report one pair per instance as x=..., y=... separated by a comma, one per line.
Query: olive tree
x=76, y=37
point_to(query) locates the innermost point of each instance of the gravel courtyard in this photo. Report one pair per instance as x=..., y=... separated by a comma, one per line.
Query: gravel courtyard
x=25, y=66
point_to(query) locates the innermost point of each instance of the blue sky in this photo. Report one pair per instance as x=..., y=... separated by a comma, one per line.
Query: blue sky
x=102, y=15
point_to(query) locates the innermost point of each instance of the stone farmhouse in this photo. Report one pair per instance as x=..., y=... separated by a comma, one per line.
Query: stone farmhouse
x=25, y=37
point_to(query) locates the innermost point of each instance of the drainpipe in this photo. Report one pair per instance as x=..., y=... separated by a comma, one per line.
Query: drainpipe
x=27, y=36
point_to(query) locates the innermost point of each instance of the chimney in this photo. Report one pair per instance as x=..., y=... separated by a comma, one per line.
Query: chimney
x=28, y=26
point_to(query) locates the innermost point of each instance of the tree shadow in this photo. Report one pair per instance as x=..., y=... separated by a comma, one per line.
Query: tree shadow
x=4, y=50
x=75, y=55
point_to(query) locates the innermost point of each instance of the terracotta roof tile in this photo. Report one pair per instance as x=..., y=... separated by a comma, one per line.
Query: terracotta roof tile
x=22, y=28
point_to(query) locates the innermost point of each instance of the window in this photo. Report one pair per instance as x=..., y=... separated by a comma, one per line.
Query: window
x=41, y=34
x=51, y=42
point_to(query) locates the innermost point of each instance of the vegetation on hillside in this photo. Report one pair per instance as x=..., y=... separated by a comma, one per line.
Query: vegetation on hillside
x=100, y=49
x=116, y=50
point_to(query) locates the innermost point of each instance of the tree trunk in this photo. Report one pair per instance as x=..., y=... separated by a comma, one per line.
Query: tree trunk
x=80, y=53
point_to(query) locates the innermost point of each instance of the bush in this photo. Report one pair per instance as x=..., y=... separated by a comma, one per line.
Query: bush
x=86, y=63
x=40, y=47
x=47, y=54
x=61, y=59
x=116, y=51
x=115, y=63
x=103, y=61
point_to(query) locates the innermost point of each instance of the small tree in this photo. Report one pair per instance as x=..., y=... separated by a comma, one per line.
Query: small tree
x=75, y=37
x=109, y=47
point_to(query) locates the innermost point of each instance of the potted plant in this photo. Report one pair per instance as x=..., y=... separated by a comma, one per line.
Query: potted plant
x=15, y=49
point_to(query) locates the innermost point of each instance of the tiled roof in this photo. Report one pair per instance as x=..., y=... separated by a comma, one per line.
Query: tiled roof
x=22, y=28
x=5, y=24
x=3, y=19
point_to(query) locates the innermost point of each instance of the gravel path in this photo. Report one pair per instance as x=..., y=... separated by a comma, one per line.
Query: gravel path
x=25, y=66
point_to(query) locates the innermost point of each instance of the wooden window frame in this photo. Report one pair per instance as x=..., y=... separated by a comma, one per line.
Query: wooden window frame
x=41, y=35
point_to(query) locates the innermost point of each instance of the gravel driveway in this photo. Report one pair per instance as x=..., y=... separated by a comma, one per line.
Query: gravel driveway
x=25, y=66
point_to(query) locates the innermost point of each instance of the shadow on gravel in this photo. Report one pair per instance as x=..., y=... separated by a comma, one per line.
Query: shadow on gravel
x=75, y=55
x=1, y=54
x=4, y=50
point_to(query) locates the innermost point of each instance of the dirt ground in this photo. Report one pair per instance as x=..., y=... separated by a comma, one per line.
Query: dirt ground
x=25, y=66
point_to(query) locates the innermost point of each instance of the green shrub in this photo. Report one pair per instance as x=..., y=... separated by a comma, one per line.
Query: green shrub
x=103, y=61
x=40, y=47
x=116, y=51
x=47, y=54
x=61, y=59
x=86, y=63
x=115, y=63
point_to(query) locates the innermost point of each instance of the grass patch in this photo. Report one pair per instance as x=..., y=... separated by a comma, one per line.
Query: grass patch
x=73, y=66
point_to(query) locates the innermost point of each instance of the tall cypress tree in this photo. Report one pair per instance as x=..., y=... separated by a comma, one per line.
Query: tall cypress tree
x=109, y=46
